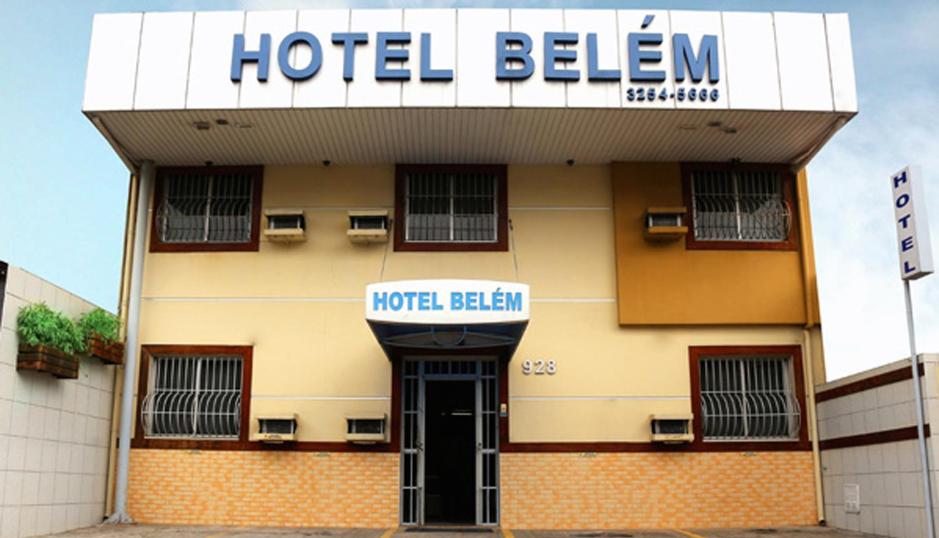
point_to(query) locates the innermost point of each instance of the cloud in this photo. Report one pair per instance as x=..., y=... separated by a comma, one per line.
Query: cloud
x=863, y=314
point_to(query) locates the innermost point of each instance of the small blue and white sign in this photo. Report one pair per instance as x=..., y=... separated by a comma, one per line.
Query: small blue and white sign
x=909, y=206
x=447, y=301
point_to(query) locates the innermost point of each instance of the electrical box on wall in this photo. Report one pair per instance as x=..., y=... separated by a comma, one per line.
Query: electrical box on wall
x=276, y=429
x=852, y=498
x=369, y=226
x=665, y=223
x=285, y=225
x=671, y=428
x=366, y=429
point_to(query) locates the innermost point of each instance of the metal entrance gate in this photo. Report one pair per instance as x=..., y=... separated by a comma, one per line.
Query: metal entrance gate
x=415, y=374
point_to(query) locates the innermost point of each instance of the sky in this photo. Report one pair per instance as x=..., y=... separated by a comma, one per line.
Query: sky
x=63, y=191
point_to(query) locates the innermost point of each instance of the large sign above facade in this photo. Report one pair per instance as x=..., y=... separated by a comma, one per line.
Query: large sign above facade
x=447, y=301
x=514, y=58
x=477, y=58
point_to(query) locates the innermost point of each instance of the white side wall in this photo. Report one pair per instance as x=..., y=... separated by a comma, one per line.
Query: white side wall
x=888, y=474
x=53, y=432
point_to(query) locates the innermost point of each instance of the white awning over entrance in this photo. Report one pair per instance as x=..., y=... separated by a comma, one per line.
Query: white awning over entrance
x=449, y=316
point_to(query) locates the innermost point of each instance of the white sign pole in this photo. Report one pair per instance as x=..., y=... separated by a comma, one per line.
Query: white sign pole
x=920, y=428
x=915, y=252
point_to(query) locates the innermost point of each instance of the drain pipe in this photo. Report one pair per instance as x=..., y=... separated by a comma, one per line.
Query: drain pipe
x=811, y=322
x=116, y=386
x=813, y=427
x=144, y=188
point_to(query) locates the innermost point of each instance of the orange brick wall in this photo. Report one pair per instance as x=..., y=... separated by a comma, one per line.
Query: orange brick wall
x=539, y=491
x=290, y=489
x=656, y=490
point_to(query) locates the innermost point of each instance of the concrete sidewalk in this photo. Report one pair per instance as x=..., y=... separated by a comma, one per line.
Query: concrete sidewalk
x=177, y=531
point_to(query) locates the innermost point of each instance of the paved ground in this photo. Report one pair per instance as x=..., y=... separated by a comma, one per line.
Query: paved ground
x=161, y=531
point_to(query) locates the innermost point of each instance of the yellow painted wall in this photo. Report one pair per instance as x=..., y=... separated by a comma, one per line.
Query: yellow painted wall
x=302, y=305
x=667, y=284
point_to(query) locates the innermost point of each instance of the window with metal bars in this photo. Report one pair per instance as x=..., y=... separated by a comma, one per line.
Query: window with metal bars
x=451, y=206
x=193, y=396
x=740, y=205
x=207, y=207
x=749, y=397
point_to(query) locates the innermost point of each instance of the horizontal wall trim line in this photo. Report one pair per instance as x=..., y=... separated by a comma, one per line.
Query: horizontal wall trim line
x=573, y=300
x=319, y=398
x=257, y=299
x=873, y=438
x=595, y=398
x=327, y=208
x=511, y=448
x=861, y=385
x=297, y=446
x=640, y=446
x=559, y=208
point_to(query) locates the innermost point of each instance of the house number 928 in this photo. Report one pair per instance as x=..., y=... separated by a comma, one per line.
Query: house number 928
x=539, y=367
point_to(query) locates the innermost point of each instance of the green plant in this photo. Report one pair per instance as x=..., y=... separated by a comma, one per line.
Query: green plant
x=39, y=325
x=100, y=323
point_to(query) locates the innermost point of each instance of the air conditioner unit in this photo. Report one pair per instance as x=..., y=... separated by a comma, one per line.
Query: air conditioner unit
x=665, y=223
x=368, y=226
x=285, y=225
x=366, y=429
x=671, y=429
x=276, y=429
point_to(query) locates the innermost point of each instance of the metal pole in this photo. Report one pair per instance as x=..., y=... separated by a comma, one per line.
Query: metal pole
x=920, y=429
x=145, y=186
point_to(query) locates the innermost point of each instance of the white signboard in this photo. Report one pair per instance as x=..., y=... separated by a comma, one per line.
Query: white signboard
x=913, y=241
x=447, y=301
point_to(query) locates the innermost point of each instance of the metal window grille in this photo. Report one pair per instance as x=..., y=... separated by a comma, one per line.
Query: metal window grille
x=200, y=207
x=194, y=396
x=739, y=206
x=451, y=207
x=749, y=397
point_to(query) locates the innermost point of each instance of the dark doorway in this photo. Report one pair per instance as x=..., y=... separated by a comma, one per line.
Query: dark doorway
x=450, y=452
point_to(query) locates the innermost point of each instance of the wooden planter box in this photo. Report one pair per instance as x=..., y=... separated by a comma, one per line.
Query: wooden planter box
x=49, y=360
x=107, y=353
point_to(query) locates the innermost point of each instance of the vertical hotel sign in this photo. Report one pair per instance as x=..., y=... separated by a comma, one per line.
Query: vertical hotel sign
x=909, y=206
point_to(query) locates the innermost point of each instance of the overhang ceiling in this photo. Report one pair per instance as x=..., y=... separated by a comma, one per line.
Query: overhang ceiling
x=512, y=135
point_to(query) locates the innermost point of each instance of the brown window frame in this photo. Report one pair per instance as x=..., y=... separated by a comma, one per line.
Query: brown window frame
x=789, y=195
x=146, y=358
x=158, y=245
x=501, y=244
x=794, y=352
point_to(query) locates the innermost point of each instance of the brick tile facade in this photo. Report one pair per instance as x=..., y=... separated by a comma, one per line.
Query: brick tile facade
x=282, y=489
x=655, y=490
x=544, y=491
